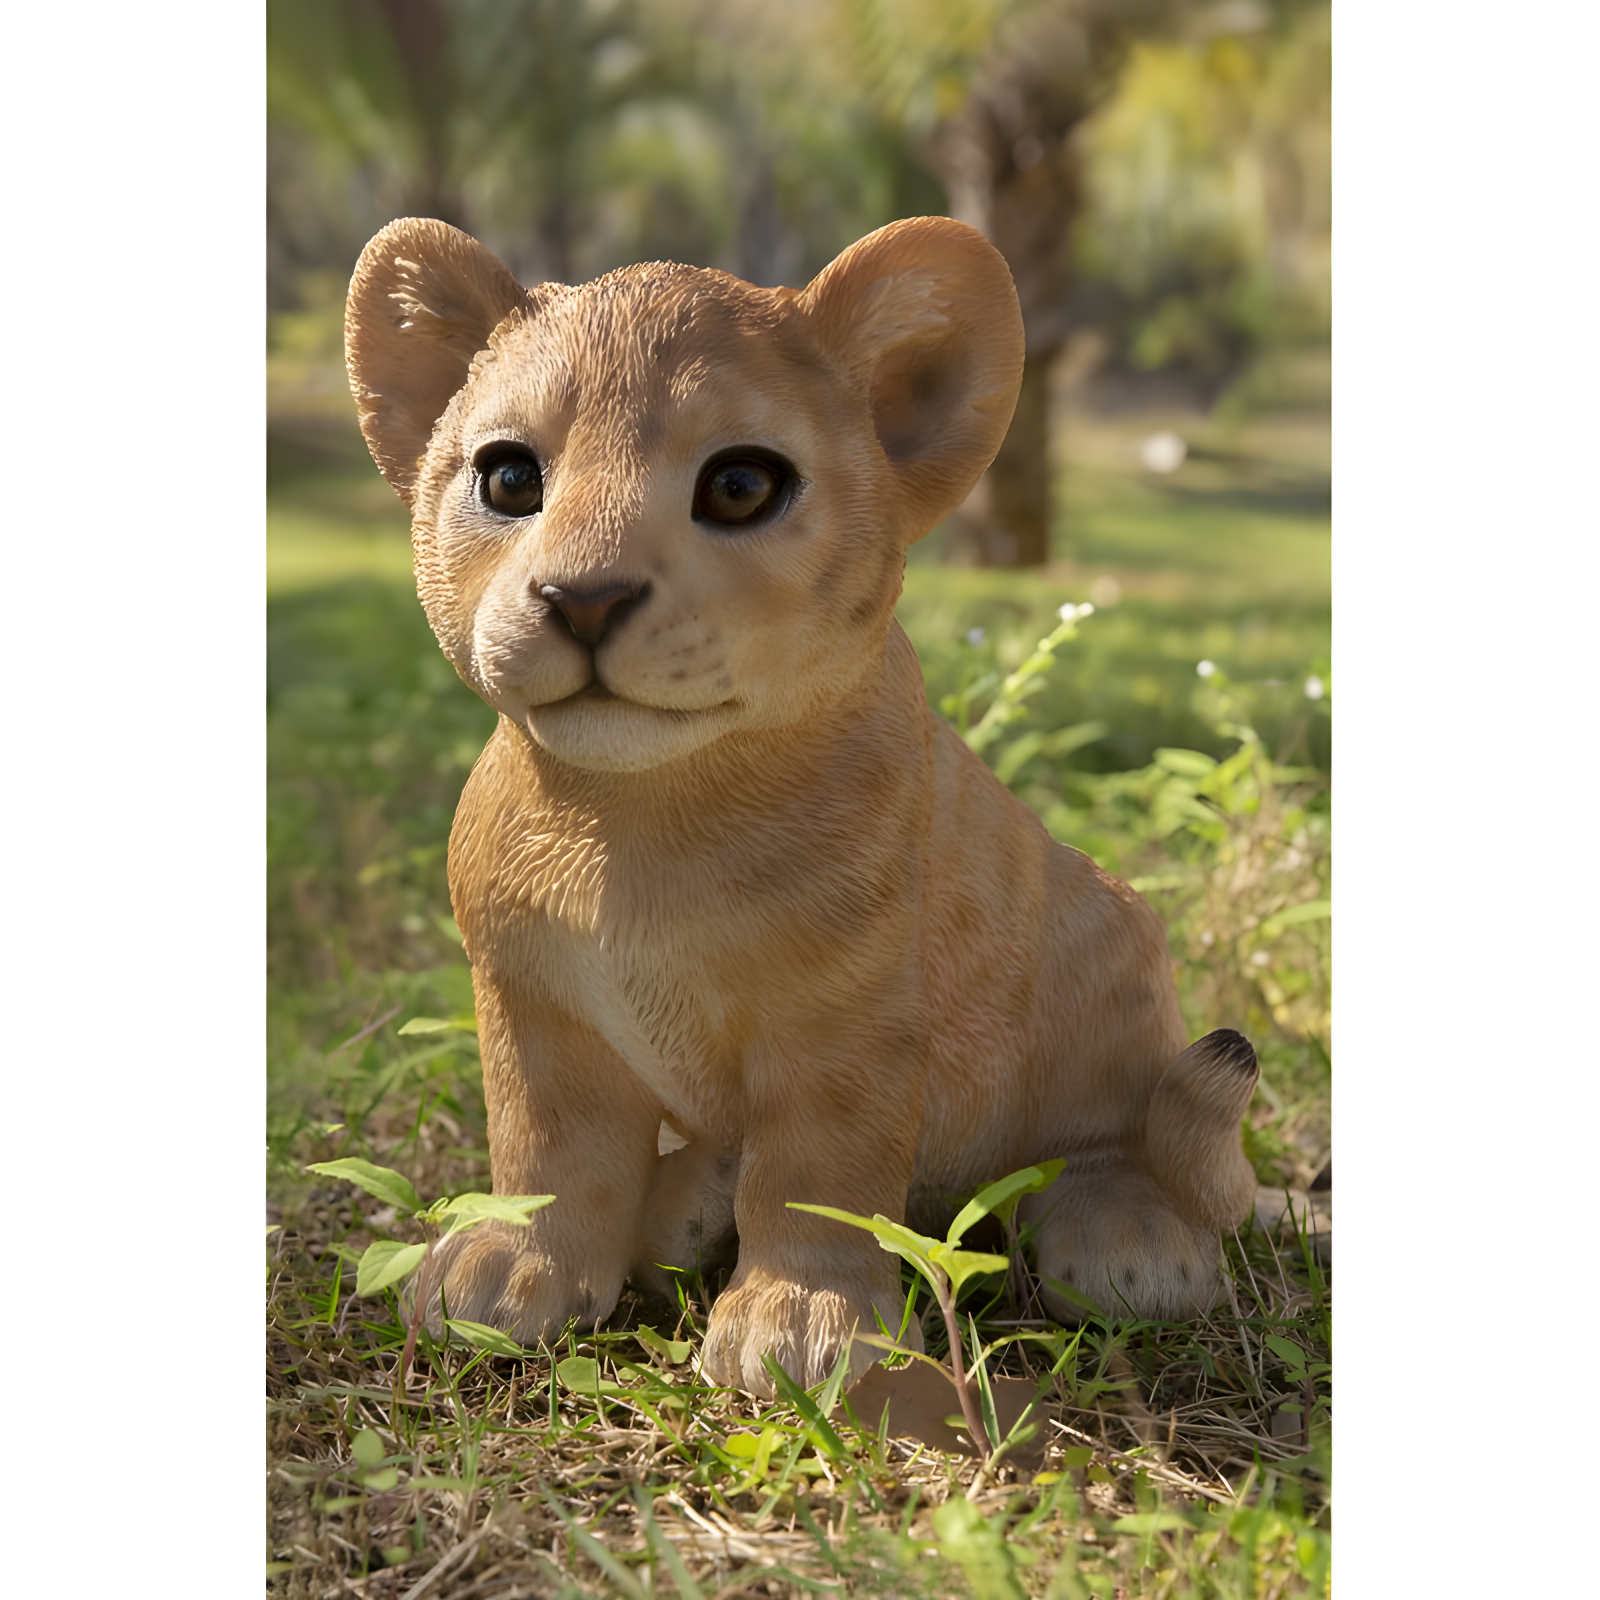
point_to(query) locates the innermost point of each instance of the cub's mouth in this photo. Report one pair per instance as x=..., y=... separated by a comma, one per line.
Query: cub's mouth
x=592, y=693
x=595, y=693
x=603, y=731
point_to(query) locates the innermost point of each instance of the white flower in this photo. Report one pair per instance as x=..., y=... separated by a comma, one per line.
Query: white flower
x=1070, y=613
x=1313, y=688
x=975, y=636
x=1163, y=452
x=1206, y=668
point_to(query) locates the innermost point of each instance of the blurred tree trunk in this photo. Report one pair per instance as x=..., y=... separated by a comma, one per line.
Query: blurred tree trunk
x=421, y=33
x=1009, y=166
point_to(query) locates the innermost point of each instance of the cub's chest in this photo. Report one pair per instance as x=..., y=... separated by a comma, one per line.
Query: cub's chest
x=658, y=1001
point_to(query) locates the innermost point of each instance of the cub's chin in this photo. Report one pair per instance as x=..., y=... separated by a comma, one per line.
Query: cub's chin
x=600, y=733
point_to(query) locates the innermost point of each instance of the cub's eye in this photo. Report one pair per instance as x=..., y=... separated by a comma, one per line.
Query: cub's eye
x=509, y=481
x=737, y=490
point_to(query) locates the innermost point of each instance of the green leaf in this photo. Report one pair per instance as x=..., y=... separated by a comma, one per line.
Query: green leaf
x=1001, y=1197
x=481, y=1337
x=581, y=1375
x=959, y=1265
x=1306, y=911
x=821, y=1429
x=386, y=1262
x=468, y=1210
x=1291, y=1355
x=917, y=1248
x=1150, y=1522
x=1185, y=763
x=622, y=1579
x=384, y=1182
x=664, y=1548
x=879, y=1342
x=1073, y=1297
x=439, y=1025
x=368, y=1449
x=979, y=1547
x=991, y=1423
x=674, y=1350
x=1074, y=738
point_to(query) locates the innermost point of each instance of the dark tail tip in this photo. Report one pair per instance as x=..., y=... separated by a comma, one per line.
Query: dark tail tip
x=1228, y=1049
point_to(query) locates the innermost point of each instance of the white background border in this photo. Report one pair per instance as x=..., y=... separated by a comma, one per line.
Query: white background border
x=1467, y=365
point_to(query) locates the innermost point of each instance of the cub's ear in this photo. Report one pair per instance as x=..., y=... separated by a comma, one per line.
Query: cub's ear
x=924, y=317
x=424, y=299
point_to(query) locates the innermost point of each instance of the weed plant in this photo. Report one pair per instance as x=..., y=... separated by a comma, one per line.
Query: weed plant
x=1172, y=1458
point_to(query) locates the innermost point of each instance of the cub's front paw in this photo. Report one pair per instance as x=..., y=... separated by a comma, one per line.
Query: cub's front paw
x=804, y=1328
x=501, y=1276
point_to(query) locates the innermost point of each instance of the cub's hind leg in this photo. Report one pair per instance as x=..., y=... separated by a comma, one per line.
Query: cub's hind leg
x=1138, y=1230
x=1112, y=1233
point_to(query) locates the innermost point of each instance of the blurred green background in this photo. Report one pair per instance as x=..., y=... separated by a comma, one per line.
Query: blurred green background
x=1156, y=174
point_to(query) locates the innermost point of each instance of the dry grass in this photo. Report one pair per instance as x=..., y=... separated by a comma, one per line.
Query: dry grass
x=1168, y=1467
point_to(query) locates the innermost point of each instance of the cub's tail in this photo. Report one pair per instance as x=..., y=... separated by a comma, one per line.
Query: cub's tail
x=1192, y=1130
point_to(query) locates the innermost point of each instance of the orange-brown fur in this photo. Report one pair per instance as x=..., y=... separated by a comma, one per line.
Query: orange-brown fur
x=723, y=872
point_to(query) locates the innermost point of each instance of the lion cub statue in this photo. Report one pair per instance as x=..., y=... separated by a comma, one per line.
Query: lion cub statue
x=730, y=890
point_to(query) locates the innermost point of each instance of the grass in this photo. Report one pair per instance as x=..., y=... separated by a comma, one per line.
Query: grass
x=1177, y=1459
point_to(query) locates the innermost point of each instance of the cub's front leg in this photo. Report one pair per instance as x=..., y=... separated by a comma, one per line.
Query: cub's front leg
x=836, y=1128
x=566, y=1117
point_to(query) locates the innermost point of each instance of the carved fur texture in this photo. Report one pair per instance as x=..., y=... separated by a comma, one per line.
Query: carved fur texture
x=724, y=879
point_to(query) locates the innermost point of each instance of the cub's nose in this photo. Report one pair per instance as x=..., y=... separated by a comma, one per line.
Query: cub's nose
x=589, y=612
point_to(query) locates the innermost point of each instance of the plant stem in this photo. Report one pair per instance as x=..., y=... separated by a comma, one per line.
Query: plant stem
x=969, y=1406
x=414, y=1327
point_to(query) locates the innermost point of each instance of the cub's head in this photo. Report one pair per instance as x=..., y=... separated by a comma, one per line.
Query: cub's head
x=665, y=506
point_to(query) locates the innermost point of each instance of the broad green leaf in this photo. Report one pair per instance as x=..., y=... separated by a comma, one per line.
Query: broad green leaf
x=581, y=1375
x=1001, y=1197
x=481, y=1337
x=384, y=1182
x=468, y=1210
x=959, y=1265
x=674, y=1350
x=439, y=1025
x=1077, y=1455
x=386, y=1262
x=367, y=1448
x=1290, y=1354
x=1185, y=763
